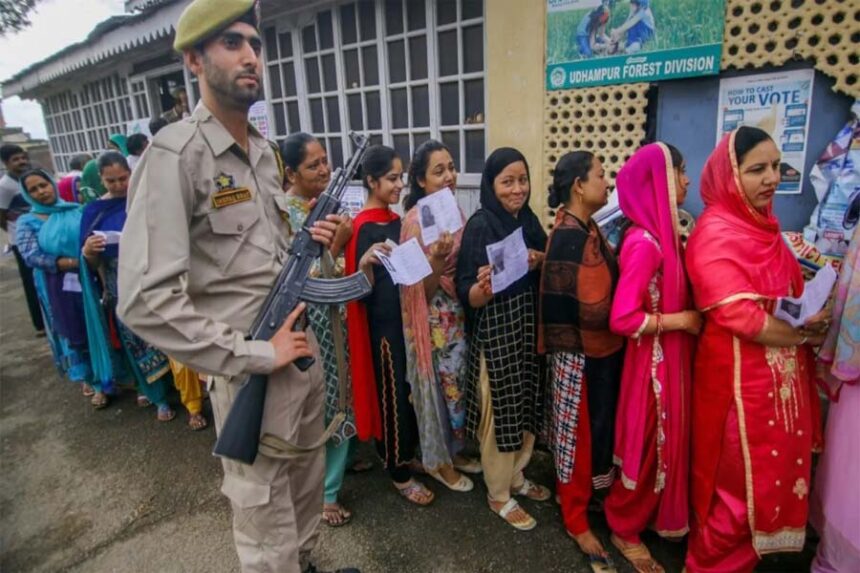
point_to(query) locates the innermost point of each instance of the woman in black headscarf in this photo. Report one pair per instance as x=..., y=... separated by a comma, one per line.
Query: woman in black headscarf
x=505, y=382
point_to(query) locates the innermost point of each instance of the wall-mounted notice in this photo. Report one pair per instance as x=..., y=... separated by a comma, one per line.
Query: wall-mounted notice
x=778, y=103
x=259, y=118
x=605, y=42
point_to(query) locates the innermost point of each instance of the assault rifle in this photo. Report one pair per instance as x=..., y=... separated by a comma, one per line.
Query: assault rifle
x=240, y=435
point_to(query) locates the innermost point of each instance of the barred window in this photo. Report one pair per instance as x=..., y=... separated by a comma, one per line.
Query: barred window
x=402, y=71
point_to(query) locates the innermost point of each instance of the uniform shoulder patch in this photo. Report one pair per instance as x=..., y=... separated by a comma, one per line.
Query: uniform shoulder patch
x=175, y=137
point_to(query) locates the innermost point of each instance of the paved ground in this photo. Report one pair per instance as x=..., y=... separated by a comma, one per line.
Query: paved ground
x=116, y=491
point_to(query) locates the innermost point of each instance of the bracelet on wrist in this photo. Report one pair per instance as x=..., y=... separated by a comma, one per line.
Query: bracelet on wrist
x=803, y=340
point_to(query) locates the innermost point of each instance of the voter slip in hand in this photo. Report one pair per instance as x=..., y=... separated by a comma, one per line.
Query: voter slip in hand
x=509, y=259
x=110, y=237
x=407, y=264
x=796, y=311
x=438, y=213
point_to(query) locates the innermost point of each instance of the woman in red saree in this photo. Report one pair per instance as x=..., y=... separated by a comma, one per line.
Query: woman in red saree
x=755, y=410
x=652, y=307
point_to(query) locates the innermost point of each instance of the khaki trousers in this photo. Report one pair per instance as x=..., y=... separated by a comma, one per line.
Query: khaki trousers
x=277, y=503
x=503, y=471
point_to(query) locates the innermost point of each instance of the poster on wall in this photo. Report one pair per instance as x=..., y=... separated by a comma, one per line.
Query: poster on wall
x=138, y=126
x=259, y=118
x=605, y=42
x=778, y=103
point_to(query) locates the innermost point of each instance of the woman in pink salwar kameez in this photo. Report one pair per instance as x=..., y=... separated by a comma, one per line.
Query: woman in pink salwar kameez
x=652, y=307
x=835, y=504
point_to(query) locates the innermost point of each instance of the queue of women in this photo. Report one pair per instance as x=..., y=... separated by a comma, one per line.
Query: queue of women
x=669, y=394
x=69, y=239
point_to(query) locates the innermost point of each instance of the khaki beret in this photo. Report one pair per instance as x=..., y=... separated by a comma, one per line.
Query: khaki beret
x=203, y=18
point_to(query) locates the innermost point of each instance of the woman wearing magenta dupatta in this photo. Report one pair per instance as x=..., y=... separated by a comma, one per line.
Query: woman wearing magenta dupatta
x=755, y=410
x=652, y=308
x=381, y=393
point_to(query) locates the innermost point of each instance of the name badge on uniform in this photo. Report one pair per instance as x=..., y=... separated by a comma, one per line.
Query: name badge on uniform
x=227, y=193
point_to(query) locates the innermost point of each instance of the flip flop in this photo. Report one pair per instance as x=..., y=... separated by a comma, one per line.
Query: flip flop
x=99, y=400
x=598, y=563
x=87, y=390
x=463, y=484
x=165, y=413
x=197, y=422
x=143, y=401
x=416, y=488
x=338, y=509
x=638, y=556
x=510, y=506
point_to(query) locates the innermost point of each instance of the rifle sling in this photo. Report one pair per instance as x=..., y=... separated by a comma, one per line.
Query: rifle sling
x=275, y=447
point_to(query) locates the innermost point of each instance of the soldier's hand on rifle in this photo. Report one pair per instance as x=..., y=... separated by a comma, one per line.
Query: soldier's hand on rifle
x=289, y=345
x=341, y=235
x=323, y=231
x=369, y=259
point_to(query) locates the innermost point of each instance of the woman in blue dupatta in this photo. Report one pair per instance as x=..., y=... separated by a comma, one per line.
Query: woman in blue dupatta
x=47, y=238
x=110, y=340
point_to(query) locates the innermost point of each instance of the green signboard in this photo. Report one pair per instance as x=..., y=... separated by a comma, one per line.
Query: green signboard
x=604, y=42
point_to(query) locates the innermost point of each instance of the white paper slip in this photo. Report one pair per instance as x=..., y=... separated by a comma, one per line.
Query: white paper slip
x=796, y=311
x=509, y=259
x=71, y=283
x=407, y=264
x=438, y=213
x=111, y=237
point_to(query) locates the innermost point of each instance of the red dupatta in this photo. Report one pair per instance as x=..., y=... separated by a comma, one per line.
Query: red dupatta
x=736, y=251
x=368, y=422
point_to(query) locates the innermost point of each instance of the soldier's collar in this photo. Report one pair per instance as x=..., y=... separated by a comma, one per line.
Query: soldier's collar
x=220, y=140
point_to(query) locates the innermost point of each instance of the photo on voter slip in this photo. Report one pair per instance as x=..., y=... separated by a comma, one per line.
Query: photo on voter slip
x=509, y=259
x=438, y=213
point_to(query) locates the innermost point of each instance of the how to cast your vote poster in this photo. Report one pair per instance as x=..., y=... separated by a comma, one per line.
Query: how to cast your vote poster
x=605, y=42
x=778, y=103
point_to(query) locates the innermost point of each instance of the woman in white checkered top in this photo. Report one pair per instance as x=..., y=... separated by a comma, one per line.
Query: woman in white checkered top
x=506, y=380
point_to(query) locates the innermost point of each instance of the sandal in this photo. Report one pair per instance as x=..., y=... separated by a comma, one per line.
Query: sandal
x=469, y=466
x=638, y=556
x=506, y=510
x=360, y=467
x=532, y=491
x=99, y=400
x=463, y=484
x=165, y=413
x=335, y=515
x=197, y=422
x=598, y=563
x=143, y=401
x=416, y=492
x=87, y=390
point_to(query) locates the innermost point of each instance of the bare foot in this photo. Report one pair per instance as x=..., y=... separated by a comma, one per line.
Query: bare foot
x=589, y=543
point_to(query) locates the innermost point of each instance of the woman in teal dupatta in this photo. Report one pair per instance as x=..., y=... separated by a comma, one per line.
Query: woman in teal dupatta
x=114, y=348
x=47, y=240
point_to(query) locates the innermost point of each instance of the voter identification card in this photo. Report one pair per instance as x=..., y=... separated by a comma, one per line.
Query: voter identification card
x=438, y=213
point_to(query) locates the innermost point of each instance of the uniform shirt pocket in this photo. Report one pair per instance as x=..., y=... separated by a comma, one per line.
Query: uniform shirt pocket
x=239, y=242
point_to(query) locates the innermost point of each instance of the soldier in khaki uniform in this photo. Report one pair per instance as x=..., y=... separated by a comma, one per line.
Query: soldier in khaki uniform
x=201, y=249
